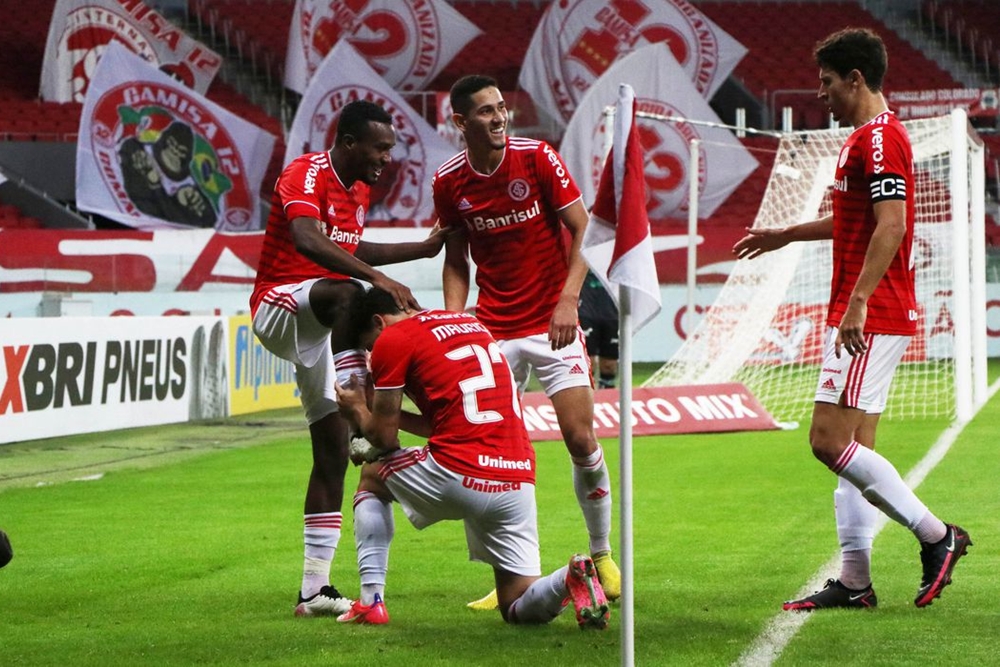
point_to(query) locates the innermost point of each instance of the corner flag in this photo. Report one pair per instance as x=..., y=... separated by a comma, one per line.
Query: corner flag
x=617, y=243
x=618, y=247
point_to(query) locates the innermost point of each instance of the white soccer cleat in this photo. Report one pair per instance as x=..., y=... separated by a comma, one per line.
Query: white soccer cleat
x=328, y=602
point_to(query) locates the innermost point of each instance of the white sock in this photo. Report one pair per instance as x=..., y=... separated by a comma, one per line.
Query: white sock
x=320, y=535
x=592, y=484
x=374, y=528
x=351, y=362
x=856, y=530
x=881, y=485
x=543, y=601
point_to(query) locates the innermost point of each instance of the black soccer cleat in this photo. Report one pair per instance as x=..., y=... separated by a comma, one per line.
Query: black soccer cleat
x=835, y=595
x=939, y=560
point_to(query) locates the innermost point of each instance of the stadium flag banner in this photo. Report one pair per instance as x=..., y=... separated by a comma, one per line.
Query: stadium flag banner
x=708, y=408
x=85, y=375
x=401, y=191
x=617, y=243
x=153, y=154
x=661, y=88
x=978, y=102
x=260, y=380
x=408, y=42
x=81, y=30
x=576, y=41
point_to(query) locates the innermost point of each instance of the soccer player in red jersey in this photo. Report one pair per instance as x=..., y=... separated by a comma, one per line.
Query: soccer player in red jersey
x=478, y=465
x=872, y=316
x=301, y=306
x=510, y=201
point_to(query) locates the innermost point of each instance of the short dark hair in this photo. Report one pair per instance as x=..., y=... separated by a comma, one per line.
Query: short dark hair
x=375, y=301
x=356, y=115
x=463, y=90
x=854, y=49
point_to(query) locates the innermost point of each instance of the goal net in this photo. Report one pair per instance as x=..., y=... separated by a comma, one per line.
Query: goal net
x=766, y=326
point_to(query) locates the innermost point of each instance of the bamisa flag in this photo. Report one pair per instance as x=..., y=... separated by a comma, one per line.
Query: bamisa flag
x=81, y=29
x=618, y=243
x=576, y=41
x=153, y=153
x=662, y=88
x=402, y=191
x=408, y=42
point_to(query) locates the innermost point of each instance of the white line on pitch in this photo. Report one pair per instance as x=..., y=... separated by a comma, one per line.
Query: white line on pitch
x=782, y=628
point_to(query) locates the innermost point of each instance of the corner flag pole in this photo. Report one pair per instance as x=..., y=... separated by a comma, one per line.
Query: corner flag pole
x=625, y=473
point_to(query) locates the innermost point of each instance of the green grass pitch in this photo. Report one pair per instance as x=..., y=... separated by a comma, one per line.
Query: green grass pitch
x=181, y=545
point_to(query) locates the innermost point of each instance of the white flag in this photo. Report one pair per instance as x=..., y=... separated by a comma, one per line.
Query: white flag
x=408, y=42
x=578, y=40
x=661, y=87
x=81, y=29
x=153, y=153
x=617, y=243
x=403, y=190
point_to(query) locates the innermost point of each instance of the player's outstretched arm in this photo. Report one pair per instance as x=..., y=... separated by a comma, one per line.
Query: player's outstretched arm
x=380, y=254
x=759, y=241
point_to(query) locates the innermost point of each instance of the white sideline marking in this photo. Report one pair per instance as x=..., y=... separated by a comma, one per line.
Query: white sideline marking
x=782, y=628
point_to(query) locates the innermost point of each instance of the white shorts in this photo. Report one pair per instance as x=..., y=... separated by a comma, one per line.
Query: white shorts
x=555, y=369
x=287, y=327
x=863, y=380
x=501, y=525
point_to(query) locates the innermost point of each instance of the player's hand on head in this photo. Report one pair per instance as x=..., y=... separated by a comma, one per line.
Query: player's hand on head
x=401, y=293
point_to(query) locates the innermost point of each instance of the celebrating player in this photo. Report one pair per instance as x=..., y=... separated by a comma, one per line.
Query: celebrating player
x=872, y=316
x=301, y=305
x=509, y=200
x=478, y=464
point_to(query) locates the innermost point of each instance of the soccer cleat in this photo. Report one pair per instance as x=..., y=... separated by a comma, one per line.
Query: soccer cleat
x=586, y=593
x=366, y=614
x=939, y=560
x=608, y=573
x=328, y=602
x=488, y=603
x=835, y=595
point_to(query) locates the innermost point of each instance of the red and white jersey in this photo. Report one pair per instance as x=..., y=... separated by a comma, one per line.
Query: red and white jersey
x=452, y=368
x=876, y=164
x=308, y=187
x=515, y=236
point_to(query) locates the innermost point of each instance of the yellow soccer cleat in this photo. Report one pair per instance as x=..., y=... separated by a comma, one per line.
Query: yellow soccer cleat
x=608, y=573
x=488, y=603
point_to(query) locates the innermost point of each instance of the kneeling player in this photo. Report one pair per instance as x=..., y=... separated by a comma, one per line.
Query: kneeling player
x=478, y=465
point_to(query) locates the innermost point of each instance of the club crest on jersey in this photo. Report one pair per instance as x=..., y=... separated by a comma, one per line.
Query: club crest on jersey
x=844, y=152
x=359, y=215
x=518, y=190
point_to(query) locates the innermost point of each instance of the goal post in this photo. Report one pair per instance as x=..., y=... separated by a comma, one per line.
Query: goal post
x=765, y=328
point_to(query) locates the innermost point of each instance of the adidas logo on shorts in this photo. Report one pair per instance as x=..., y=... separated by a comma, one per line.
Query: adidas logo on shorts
x=830, y=384
x=576, y=370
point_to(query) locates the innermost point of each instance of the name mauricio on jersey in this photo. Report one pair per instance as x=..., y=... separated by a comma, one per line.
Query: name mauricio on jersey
x=480, y=223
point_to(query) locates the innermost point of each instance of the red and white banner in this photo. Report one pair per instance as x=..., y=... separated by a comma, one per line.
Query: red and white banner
x=153, y=153
x=978, y=102
x=81, y=29
x=661, y=88
x=578, y=40
x=408, y=42
x=709, y=408
x=402, y=190
x=617, y=243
